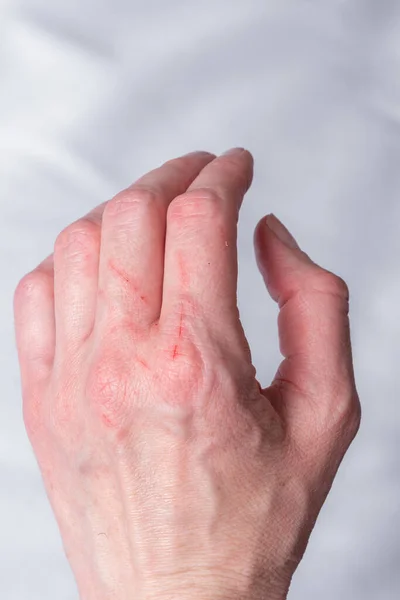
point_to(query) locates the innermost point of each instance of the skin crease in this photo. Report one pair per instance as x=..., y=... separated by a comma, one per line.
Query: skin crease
x=171, y=472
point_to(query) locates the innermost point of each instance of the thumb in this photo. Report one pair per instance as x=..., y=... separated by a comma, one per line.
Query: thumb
x=314, y=388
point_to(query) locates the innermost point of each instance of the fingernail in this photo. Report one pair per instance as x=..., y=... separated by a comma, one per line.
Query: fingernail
x=281, y=231
x=233, y=151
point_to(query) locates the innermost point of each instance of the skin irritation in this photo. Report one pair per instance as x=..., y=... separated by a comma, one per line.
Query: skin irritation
x=175, y=351
x=135, y=292
x=184, y=281
x=142, y=362
x=183, y=271
x=122, y=275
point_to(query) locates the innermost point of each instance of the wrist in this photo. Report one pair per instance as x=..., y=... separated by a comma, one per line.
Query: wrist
x=190, y=590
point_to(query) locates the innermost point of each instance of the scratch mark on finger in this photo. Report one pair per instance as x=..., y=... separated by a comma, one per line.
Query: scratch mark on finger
x=184, y=275
x=181, y=324
x=107, y=421
x=143, y=362
x=119, y=272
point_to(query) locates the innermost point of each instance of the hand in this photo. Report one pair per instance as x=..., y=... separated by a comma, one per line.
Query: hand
x=171, y=472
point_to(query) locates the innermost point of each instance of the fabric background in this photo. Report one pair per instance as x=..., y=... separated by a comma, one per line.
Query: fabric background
x=93, y=93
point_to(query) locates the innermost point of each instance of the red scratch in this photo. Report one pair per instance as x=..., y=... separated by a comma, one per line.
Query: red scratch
x=123, y=435
x=175, y=352
x=143, y=362
x=118, y=271
x=125, y=277
x=181, y=324
x=183, y=270
x=107, y=421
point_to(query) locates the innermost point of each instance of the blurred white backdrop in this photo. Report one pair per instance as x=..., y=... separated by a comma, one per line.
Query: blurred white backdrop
x=93, y=93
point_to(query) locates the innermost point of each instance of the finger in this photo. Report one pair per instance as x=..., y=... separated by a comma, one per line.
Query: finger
x=200, y=278
x=76, y=266
x=34, y=323
x=133, y=238
x=314, y=387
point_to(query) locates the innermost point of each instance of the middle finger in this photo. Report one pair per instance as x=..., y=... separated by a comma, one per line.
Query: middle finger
x=132, y=244
x=200, y=272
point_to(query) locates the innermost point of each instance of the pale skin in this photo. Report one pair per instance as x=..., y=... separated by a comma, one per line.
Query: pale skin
x=171, y=472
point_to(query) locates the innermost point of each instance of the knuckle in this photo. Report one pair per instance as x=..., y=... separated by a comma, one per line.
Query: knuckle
x=189, y=377
x=79, y=235
x=346, y=417
x=135, y=198
x=184, y=372
x=204, y=202
x=352, y=415
x=32, y=286
x=329, y=283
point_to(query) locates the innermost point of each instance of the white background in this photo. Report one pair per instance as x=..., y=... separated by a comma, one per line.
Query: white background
x=93, y=93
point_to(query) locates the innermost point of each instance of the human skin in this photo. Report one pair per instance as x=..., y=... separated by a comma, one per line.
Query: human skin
x=171, y=472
